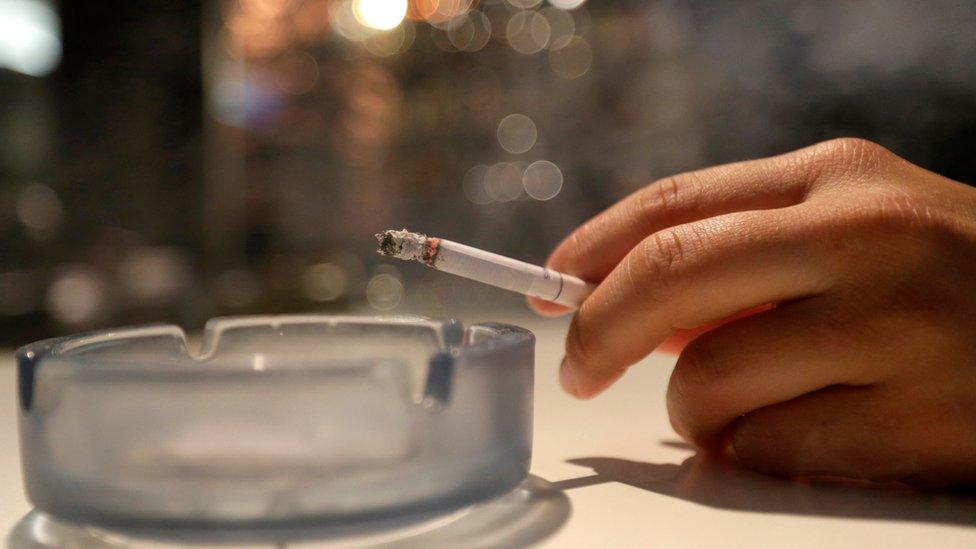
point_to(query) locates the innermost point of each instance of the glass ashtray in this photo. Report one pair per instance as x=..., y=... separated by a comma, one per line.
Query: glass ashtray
x=278, y=421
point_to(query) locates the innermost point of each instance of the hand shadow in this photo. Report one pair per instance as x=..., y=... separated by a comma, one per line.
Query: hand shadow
x=724, y=485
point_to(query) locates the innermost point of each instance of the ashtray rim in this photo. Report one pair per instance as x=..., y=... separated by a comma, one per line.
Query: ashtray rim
x=506, y=335
x=450, y=333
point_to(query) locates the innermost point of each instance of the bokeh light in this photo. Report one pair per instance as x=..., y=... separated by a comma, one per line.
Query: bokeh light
x=327, y=120
x=265, y=9
x=438, y=13
x=542, y=180
x=347, y=23
x=384, y=292
x=503, y=182
x=393, y=42
x=30, y=37
x=517, y=133
x=573, y=60
x=253, y=33
x=441, y=40
x=527, y=32
x=153, y=276
x=324, y=282
x=78, y=296
x=311, y=21
x=380, y=14
x=473, y=185
x=39, y=208
x=471, y=33
x=524, y=4
x=422, y=10
x=562, y=27
x=567, y=4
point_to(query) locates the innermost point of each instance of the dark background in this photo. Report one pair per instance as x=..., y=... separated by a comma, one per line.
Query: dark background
x=185, y=160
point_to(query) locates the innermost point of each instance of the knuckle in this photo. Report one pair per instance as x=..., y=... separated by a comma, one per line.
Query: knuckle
x=667, y=259
x=851, y=155
x=852, y=148
x=661, y=255
x=666, y=196
x=656, y=197
x=637, y=282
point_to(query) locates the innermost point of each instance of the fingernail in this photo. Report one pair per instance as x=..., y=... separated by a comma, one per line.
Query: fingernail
x=567, y=377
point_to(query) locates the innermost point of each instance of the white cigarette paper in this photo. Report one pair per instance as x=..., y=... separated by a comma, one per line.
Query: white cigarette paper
x=489, y=268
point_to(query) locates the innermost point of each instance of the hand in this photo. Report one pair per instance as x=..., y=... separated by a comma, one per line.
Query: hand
x=863, y=361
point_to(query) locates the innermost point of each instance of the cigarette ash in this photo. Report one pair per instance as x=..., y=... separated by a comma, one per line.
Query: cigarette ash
x=408, y=246
x=389, y=245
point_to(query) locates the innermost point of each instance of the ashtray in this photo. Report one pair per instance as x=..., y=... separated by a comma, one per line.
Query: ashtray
x=277, y=422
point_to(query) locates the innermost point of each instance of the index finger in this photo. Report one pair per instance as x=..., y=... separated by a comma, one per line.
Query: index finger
x=687, y=276
x=592, y=250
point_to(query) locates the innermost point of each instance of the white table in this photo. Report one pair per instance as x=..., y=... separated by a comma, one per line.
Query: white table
x=632, y=483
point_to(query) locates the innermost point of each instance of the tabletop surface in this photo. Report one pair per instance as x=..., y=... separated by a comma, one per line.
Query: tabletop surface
x=631, y=481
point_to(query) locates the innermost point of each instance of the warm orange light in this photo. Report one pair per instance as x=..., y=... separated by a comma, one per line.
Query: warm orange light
x=437, y=11
x=380, y=14
x=421, y=10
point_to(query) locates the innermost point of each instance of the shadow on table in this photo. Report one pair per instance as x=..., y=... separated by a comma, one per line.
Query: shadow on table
x=726, y=486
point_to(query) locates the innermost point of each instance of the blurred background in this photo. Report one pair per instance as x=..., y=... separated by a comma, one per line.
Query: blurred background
x=173, y=161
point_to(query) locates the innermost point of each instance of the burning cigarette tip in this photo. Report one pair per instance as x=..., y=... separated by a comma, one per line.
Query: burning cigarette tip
x=388, y=244
x=408, y=246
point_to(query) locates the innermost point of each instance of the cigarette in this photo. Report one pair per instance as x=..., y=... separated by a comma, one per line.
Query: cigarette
x=489, y=268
